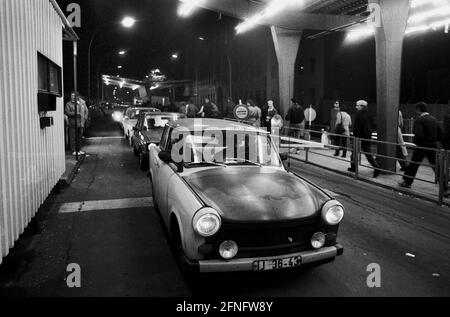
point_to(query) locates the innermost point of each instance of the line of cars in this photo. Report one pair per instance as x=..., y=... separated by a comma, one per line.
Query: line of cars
x=227, y=200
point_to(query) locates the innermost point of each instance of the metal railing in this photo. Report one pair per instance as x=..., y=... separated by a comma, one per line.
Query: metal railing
x=315, y=142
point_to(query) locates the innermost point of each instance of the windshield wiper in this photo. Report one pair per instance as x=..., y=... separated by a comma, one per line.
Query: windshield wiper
x=237, y=160
x=208, y=163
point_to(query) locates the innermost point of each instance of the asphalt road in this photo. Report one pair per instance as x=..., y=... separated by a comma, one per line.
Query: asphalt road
x=125, y=252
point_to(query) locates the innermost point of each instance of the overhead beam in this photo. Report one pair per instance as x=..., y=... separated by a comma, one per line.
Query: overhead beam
x=291, y=19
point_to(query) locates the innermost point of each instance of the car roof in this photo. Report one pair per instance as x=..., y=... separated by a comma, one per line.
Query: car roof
x=145, y=108
x=162, y=113
x=214, y=124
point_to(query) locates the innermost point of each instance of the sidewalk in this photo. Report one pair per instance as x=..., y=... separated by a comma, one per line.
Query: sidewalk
x=325, y=158
x=72, y=167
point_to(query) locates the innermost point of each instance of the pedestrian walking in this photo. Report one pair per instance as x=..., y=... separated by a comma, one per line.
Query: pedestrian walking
x=191, y=110
x=446, y=146
x=76, y=122
x=402, y=151
x=426, y=137
x=362, y=129
x=206, y=110
x=255, y=113
x=271, y=112
x=230, y=108
x=182, y=109
x=296, y=118
x=333, y=118
x=343, y=124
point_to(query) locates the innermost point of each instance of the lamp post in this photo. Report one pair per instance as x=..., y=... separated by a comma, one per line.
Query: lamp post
x=127, y=22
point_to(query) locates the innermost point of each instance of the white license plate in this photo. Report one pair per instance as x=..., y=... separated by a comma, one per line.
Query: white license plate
x=277, y=264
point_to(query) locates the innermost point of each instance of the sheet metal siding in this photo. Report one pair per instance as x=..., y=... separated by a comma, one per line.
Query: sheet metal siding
x=31, y=160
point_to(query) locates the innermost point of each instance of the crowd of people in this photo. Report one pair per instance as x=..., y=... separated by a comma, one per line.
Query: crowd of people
x=428, y=134
x=428, y=137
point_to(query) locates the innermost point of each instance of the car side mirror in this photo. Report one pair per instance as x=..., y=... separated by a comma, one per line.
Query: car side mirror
x=284, y=156
x=165, y=156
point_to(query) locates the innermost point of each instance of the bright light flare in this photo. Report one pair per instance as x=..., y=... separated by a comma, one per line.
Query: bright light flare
x=360, y=33
x=128, y=22
x=437, y=12
x=187, y=7
x=272, y=9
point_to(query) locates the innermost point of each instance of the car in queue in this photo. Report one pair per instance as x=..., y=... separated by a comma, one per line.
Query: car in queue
x=119, y=114
x=131, y=117
x=229, y=204
x=148, y=129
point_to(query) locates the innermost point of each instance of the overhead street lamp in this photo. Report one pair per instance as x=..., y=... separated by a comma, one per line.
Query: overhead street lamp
x=127, y=22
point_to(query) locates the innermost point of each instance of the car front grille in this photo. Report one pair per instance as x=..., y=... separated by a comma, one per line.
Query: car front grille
x=256, y=239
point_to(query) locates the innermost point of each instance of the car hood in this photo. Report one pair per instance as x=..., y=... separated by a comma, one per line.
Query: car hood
x=254, y=194
x=154, y=135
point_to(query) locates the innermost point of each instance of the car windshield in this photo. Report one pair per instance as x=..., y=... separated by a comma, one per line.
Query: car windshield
x=224, y=148
x=159, y=121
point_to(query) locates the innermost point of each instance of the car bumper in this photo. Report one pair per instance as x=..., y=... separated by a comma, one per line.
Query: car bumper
x=309, y=258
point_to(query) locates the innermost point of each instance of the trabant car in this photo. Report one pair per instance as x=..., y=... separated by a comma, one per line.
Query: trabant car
x=148, y=129
x=130, y=119
x=229, y=204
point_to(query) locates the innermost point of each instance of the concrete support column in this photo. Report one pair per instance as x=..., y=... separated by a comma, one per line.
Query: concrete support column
x=287, y=44
x=389, y=46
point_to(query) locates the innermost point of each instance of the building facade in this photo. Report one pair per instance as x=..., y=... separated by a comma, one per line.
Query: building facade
x=32, y=156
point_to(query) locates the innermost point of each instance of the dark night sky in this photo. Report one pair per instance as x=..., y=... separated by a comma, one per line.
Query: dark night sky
x=149, y=43
x=161, y=32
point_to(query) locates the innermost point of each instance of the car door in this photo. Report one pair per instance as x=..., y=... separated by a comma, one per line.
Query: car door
x=162, y=175
x=135, y=134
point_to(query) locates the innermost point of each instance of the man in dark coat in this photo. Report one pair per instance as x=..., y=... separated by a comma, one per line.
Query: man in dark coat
x=426, y=135
x=362, y=130
x=296, y=118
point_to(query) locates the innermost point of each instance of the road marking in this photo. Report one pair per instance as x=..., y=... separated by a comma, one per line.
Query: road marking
x=99, y=205
x=106, y=138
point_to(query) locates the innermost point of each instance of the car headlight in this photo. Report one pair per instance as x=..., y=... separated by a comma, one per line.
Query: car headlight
x=228, y=250
x=332, y=213
x=318, y=240
x=207, y=222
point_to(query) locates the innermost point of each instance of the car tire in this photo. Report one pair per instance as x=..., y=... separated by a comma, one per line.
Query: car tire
x=135, y=151
x=143, y=161
x=177, y=247
x=155, y=204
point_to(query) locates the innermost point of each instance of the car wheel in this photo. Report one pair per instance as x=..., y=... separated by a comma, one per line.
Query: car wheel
x=143, y=161
x=177, y=247
x=135, y=151
x=155, y=204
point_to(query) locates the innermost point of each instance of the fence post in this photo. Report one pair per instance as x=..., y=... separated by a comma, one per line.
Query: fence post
x=356, y=155
x=442, y=179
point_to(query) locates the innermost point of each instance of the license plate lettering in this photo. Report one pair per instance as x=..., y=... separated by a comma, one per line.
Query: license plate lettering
x=277, y=264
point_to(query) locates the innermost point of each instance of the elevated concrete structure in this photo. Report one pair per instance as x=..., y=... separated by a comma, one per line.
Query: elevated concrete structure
x=332, y=15
x=287, y=44
x=389, y=46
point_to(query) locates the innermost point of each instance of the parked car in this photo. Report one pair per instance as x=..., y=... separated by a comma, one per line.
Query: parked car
x=130, y=119
x=148, y=129
x=229, y=204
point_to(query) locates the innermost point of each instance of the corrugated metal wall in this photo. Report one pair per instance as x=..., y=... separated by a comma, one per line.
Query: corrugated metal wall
x=31, y=160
